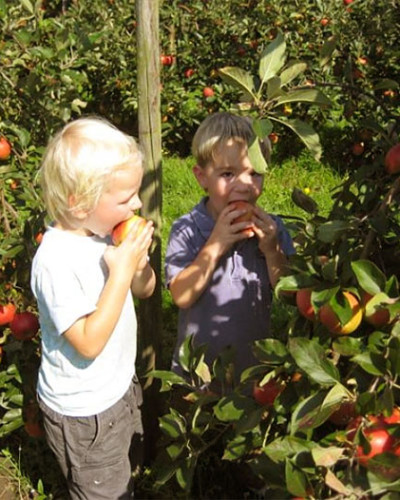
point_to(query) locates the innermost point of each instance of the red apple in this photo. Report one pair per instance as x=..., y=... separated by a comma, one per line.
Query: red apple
x=324, y=21
x=380, y=317
x=267, y=394
x=122, y=229
x=342, y=416
x=392, y=160
x=328, y=317
x=358, y=148
x=208, y=92
x=189, y=72
x=5, y=148
x=274, y=138
x=7, y=313
x=303, y=301
x=24, y=326
x=246, y=216
x=347, y=2
x=166, y=60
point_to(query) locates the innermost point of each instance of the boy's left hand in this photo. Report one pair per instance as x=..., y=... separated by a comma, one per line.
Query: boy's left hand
x=265, y=229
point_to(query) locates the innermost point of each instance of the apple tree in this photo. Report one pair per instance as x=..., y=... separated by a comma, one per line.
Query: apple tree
x=319, y=415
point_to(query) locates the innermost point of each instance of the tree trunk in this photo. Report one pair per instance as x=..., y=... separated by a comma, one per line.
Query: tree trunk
x=150, y=311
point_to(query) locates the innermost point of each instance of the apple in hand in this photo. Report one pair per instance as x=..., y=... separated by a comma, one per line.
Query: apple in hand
x=246, y=216
x=122, y=229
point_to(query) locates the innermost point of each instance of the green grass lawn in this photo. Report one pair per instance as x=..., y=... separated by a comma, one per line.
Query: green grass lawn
x=181, y=192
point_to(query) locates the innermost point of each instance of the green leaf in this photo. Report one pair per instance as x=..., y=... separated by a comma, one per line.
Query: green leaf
x=347, y=346
x=203, y=371
x=386, y=83
x=332, y=230
x=304, y=201
x=27, y=5
x=272, y=58
x=184, y=474
x=294, y=69
x=262, y=128
x=296, y=480
x=286, y=446
x=274, y=87
x=256, y=157
x=310, y=357
x=167, y=378
x=327, y=50
x=306, y=133
x=313, y=96
x=240, y=79
x=369, y=276
x=317, y=408
x=173, y=424
x=370, y=362
x=271, y=351
x=232, y=407
x=327, y=457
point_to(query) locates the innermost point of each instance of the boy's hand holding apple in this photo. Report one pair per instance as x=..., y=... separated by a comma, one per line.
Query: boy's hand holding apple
x=132, y=239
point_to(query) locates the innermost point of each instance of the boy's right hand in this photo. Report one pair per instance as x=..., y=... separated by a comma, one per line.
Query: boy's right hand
x=132, y=254
x=227, y=232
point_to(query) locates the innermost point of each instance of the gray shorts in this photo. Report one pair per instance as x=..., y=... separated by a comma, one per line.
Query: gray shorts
x=93, y=452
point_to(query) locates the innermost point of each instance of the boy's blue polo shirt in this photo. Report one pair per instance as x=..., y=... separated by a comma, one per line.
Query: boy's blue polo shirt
x=234, y=309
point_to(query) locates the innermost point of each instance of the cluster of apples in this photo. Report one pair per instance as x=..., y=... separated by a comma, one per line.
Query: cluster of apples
x=23, y=325
x=326, y=315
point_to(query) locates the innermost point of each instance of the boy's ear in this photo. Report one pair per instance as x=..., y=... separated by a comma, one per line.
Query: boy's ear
x=78, y=213
x=200, y=176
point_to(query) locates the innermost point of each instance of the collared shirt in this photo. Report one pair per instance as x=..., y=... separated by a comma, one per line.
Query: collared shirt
x=234, y=309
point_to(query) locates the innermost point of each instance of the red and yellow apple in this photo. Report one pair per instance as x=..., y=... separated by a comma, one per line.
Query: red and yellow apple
x=122, y=229
x=246, y=216
x=328, y=317
x=5, y=148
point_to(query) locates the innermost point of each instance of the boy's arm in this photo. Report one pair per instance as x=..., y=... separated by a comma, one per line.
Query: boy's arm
x=187, y=286
x=266, y=230
x=90, y=334
x=143, y=283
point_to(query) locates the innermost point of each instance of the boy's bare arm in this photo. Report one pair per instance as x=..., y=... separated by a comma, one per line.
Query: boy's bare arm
x=187, y=286
x=90, y=334
x=143, y=283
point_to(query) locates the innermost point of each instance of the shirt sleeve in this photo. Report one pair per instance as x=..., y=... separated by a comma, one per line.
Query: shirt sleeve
x=181, y=249
x=284, y=237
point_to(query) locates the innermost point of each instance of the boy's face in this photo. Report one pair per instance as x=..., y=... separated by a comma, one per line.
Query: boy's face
x=118, y=202
x=230, y=177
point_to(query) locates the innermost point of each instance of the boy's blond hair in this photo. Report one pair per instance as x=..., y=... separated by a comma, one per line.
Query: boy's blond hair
x=218, y=128
x=78, y=163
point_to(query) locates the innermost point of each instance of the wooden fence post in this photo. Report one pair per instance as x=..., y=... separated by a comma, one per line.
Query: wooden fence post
x=150, y=310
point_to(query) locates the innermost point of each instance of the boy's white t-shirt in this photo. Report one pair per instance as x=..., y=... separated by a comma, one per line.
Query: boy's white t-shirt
x=68, y=276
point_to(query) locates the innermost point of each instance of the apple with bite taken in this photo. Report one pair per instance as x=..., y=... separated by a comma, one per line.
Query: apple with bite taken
x=122, y=229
